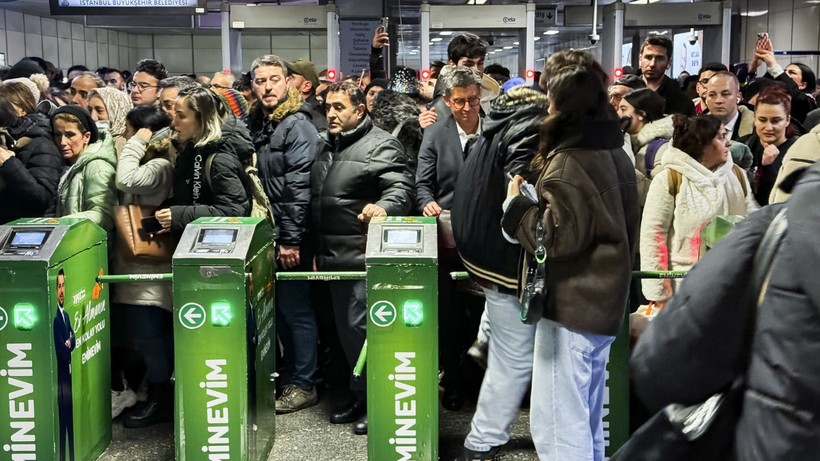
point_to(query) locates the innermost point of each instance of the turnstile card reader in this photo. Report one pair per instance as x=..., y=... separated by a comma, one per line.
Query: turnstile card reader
x=224, y=340
x=54, y=340
x=402, y=338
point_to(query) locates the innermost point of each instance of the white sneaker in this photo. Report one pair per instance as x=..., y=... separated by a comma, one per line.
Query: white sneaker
x=120, y=400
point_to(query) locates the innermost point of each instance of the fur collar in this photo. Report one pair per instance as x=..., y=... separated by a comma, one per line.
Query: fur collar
x=746, y=120
x=661, y=128
x=290, y=105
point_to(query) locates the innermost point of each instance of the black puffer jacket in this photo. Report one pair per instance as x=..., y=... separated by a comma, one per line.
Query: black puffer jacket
x=702, y=331
x=228, y=196
x=30, y=177
x=362, y=166
x=507, y=144
x=286, y=144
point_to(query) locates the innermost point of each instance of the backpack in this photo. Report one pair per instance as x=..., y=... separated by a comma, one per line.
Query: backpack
x=260, y=205
x=675, y=179
x=651, y=152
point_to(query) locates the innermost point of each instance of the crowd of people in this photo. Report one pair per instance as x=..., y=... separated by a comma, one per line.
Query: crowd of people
x=573, y=173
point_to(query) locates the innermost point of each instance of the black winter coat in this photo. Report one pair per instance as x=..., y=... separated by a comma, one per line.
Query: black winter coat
x=228, y=196
x=362, y=166
x=676, y=100
x=507, y=144
x=285, y=153
x=32, y=175
x=703, y=332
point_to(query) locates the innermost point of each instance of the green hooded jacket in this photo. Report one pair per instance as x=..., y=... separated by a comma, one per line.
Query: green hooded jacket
x=87, y=190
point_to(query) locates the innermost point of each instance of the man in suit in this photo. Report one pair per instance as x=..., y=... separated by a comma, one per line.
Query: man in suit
x=64, y=343
x=441, y=157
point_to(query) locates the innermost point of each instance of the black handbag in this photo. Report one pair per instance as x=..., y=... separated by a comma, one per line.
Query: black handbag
x=534, y=291
x=704, y=431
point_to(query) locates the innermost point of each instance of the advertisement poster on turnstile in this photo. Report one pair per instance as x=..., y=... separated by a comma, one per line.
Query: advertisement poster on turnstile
x=55, y=359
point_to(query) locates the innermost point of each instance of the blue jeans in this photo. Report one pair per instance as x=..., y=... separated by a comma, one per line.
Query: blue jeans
x=297, y=327
x=568, y=387
x=509, y=369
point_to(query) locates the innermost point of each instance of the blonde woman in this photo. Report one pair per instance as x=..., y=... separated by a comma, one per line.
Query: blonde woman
x=205, y=128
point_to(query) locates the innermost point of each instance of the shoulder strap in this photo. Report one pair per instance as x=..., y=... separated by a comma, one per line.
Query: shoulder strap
x=741, y=176
x=651, y=152
x=208, y=163
x=22, y=142
x=764, y=256
x=675, y=179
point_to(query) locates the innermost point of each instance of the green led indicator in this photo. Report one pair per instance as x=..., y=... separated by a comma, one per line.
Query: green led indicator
x=221, y=314
x=413, y=311
x=4, y=318
x=24, y=316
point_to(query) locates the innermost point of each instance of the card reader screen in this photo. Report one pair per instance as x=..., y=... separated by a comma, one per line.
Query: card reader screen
x=218, y=236
x=28, y=239
x=402, y=236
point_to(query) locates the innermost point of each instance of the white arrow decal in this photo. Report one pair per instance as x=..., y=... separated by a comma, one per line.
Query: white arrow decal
x=192, y=316
x=384, y=313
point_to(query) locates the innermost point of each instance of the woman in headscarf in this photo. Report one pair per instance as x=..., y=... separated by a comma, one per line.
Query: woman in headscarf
x=108, y=107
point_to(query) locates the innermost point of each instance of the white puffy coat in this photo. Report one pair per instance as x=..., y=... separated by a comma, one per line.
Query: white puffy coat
x=671, y=225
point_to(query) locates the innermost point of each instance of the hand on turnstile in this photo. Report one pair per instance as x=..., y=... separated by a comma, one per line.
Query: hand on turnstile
x=431, y=209
x=371, y=211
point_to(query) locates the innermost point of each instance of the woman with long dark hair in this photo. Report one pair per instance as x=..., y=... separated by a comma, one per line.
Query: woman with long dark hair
x=580, y=237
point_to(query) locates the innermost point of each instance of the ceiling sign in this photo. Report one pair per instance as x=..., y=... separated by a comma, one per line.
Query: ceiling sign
x=115, y=7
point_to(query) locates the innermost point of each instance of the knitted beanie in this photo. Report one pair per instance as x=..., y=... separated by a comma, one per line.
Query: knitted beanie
x=32, y=87
x=234, y=99
x=83, y=116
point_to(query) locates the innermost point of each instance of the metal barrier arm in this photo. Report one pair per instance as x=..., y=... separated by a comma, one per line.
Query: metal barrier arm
x=357, y=370
x=135, y=278
x=322, y=276
x=636, y=274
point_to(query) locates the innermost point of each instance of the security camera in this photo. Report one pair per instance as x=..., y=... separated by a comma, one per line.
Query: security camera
x=693, y=39
x=491, y=39
x=594, y=38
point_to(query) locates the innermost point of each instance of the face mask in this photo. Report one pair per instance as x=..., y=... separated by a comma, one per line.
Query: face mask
x=103, y=125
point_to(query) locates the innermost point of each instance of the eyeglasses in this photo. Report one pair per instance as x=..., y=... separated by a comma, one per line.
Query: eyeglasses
x=459, y=104
x=142, y=86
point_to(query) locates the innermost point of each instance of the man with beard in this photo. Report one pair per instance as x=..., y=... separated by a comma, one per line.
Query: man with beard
x=286, y=142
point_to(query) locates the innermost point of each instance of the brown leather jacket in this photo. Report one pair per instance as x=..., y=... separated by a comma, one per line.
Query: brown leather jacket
x=591, y=221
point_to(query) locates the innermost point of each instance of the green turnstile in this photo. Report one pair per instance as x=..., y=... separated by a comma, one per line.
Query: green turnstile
x=224, y=340
x=402, y=338
x=54, y=341
x=718, y=227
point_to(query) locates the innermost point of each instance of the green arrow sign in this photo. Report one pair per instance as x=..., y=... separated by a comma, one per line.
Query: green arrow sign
x=221, y=314
x=4, y=319
x=382, y=313
x=413, y=313
x=24, y=317
x=192, y=316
